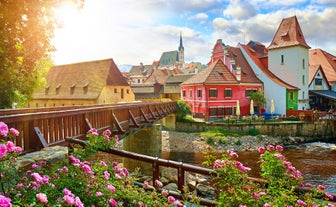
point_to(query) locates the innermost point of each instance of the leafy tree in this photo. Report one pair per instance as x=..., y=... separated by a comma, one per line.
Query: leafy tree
x=183, y=110
x=27, y=27
x=259, y=99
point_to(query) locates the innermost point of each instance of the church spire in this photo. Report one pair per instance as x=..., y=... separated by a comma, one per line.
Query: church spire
x=181, y=52
x=181, y=48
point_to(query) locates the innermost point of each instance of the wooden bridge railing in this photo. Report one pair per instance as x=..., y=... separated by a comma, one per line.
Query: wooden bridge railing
x=43, y=128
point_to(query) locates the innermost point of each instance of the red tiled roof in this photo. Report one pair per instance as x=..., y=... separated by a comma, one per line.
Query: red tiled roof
x=327, y=62
x=216, y=73
x=256, y=59
x=247, y=74
x=288, y=34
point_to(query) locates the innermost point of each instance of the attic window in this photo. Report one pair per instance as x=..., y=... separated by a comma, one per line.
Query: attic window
x=220, y=73
x=46, y=90
x=86, y=88
x=58, y=88
x=252, y=50
x=284, y=34
x=72, y=89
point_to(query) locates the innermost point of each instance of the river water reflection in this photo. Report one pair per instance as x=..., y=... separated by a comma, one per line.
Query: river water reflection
x=316, y=161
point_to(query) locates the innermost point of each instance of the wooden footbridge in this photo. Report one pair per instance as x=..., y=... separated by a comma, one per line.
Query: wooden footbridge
x=42, y=127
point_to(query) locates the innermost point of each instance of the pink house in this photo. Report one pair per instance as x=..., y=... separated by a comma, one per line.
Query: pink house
x=214, y=92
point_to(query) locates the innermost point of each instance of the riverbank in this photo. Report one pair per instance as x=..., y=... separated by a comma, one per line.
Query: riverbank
x=173, y=141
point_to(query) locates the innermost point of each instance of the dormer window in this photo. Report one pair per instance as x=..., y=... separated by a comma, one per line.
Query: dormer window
x=86, y=88
x=58, y=88
x=46, y=90
x=72, y=89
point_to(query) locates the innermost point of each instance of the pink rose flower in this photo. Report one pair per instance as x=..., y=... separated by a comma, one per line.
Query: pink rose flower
x=14, y=132
x=3, y=129
x=3, y=150
x=42, y=198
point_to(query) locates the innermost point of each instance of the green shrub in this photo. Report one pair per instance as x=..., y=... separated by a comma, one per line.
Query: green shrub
x=253, y=132
x=222, y=140
x=210, y=140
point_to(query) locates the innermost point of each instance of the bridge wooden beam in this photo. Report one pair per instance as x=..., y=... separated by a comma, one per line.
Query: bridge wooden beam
x=144, y=116
x=135, y=123
x=152, y=113
x=117, y=124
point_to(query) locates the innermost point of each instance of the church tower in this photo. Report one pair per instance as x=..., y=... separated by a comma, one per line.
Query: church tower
x=181, y=52
x=288, y=58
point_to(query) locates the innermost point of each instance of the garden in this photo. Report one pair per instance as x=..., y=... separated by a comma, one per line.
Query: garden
x=78, y=182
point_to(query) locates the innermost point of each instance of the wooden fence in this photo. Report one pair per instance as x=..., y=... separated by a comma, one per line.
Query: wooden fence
x=43, y=127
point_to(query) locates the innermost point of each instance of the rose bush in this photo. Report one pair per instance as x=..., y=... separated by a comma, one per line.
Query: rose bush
x=281, y=185
x=75, y=182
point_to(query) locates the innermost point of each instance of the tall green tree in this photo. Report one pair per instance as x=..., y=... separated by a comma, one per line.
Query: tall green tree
x=26, y=30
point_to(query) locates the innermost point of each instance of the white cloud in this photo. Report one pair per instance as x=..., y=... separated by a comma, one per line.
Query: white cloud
x=239, y=9
x=199, y=17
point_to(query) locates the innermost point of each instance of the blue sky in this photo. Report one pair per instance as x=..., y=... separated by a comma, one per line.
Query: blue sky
x=133, y=31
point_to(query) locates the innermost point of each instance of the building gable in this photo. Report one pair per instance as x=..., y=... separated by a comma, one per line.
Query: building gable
x=289, y=33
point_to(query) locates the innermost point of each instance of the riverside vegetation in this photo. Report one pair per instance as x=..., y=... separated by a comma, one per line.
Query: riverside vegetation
x=77, y=182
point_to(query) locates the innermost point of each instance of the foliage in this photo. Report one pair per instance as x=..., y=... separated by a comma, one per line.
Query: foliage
x=278, y=187
x=253, y=132
x=258, y=99
x=183, y=110
x=74, y=182
x=25, y=46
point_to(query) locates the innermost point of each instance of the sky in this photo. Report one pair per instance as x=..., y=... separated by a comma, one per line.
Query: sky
x=133, y=32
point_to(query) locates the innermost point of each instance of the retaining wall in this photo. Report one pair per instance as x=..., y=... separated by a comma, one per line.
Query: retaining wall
x=320, y=130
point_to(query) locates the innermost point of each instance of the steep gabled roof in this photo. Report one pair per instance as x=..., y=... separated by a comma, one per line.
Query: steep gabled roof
x=141, y=70
x=71, y=80
x=217, y=73
x=327, y=62
x=288, y=34
x=168, y=58
x=264, y=68
x=313, y=69
x=247, y=74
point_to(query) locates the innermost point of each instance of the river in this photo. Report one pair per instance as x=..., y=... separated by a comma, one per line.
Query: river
x=316, y=161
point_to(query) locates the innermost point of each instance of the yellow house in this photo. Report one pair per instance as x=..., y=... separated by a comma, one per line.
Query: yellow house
x=94, y=82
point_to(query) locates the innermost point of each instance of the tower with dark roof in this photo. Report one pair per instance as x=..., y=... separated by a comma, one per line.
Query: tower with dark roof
x=288, y=58
x=181, y=52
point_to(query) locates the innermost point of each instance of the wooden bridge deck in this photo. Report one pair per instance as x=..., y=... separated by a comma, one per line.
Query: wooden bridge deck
x=41, y=127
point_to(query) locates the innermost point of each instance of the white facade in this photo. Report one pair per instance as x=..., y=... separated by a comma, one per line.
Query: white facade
x=291, y=65
x=272, y=90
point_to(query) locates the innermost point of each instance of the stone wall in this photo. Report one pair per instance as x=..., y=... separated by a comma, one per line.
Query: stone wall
x=321, y=130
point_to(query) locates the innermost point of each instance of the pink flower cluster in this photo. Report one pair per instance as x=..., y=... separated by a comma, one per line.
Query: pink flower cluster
x=270, y=148
x=71, y=199
x=93, y=132
x=85, y=166
x=9, y=147
x=240, y=166
x=5, y=202
x=120, y=172
x=4, y=130
x=42, y=198
x=292, y=170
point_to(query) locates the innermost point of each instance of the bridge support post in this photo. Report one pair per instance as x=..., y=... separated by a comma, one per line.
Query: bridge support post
x=147, y=142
